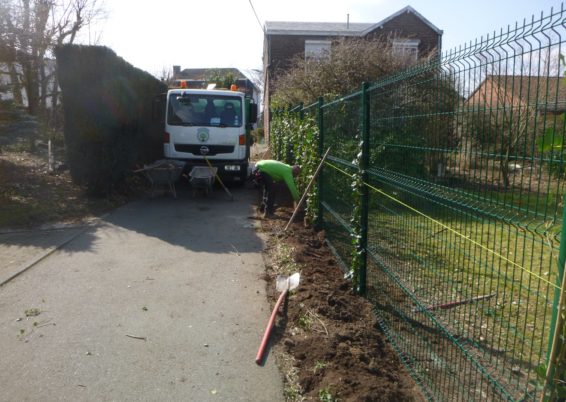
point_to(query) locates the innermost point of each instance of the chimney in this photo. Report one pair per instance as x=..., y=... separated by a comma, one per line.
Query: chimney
x=347, y=21
x=176, y=71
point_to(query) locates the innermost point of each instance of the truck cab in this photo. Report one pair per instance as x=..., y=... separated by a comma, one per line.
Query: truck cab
x=211, y=124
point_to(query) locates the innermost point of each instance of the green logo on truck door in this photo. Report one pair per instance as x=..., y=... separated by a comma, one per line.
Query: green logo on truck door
x=203, y=134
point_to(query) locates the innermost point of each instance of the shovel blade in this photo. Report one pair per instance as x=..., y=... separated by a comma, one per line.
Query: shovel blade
x=287, y=282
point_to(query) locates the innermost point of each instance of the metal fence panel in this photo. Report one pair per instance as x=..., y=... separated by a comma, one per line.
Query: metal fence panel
x=342, y=134
x=465, y=182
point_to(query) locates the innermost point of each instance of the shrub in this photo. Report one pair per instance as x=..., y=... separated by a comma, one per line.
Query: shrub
x=107, y=111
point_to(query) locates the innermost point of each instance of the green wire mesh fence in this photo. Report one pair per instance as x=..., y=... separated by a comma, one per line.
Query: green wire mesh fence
x=448, y=180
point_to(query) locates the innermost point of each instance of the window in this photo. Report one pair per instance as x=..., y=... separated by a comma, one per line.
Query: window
x=317, y=49
x=408, y=48
x=204, y=110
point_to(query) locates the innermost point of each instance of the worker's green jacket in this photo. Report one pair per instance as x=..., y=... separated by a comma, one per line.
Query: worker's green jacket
x=279, y=171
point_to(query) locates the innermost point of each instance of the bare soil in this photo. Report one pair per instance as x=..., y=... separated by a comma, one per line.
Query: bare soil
x=31, y=196
x=327, y=339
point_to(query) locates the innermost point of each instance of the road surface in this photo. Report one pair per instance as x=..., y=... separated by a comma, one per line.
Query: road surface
x=161, y=300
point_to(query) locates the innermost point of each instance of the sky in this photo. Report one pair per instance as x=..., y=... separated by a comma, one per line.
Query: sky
x=155, y=35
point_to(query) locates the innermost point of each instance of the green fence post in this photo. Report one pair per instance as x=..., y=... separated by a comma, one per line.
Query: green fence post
x=364, y=162
x=561, y=262
x=320, y=122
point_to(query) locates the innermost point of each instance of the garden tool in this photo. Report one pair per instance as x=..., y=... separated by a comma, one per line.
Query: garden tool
x=283, y=284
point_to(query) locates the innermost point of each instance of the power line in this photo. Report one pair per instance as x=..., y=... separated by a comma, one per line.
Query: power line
x=256, y=17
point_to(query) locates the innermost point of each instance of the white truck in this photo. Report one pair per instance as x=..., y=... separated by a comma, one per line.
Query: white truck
x=211, y=124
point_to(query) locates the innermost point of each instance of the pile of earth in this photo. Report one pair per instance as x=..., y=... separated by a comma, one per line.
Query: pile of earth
x=327, y=340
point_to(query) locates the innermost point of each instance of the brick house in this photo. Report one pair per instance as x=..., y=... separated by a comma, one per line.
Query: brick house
x=409, y=32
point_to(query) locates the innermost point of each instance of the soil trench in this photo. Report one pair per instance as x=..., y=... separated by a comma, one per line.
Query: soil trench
x=327, y=340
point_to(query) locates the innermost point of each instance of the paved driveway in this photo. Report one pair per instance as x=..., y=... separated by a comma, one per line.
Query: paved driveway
x=160, y=301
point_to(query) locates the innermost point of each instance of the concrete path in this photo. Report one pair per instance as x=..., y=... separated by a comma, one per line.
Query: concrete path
x=160, y=301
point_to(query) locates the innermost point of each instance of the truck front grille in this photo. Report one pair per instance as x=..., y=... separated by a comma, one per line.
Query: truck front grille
x=200, y=149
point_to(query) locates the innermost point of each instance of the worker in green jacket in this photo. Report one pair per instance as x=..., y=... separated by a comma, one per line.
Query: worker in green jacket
x=270, y=172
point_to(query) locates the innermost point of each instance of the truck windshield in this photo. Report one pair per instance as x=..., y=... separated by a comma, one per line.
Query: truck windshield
x=204, y=110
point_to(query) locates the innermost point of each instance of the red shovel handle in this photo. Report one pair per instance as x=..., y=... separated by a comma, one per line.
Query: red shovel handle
x=259, y=357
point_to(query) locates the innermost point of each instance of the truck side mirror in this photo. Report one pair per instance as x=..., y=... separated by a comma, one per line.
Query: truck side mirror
x=158, y=108
x=253, y=113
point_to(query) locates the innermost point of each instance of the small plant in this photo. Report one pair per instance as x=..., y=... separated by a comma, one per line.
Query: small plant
x=284, y=262
x=304, y=322
x=319, y=365
x=291, y=394
x=326, y=396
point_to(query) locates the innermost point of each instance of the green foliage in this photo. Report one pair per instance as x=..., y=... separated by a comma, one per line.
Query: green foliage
x=353, y=61
x=107, y=109
x=356, y=220
x=258, y=135
x=319, y=365
x=551, y=146
x=295, y=141
x=325, y=395
x=304, y=322
x=220, y=78
x=411, y=120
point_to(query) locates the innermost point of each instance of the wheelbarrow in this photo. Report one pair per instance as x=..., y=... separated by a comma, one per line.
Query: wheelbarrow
x=163, y=174
x=202, y=178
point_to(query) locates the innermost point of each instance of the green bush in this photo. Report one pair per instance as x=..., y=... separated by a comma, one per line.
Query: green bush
x=107, y=106
x=295, y=141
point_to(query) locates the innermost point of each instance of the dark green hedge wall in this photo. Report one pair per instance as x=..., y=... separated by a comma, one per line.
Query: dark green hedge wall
x=107, y=106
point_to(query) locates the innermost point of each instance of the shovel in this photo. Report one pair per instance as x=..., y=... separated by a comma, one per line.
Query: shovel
x=283, y=285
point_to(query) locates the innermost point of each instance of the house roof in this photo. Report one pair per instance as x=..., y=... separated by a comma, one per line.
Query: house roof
x=336, y=28
x=315, y=28
x=546, y=93
x=409, y=10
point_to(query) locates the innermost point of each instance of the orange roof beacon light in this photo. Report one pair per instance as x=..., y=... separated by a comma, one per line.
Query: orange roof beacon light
x=233, y=87
x=183, y=84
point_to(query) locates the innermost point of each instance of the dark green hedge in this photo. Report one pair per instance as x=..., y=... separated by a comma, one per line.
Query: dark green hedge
x=107, y=106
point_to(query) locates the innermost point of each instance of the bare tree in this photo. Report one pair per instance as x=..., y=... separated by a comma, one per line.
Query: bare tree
x=351, y=62
x=29, y=31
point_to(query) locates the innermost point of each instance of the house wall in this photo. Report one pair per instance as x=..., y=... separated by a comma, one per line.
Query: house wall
x=279, y=50
x=285, y=47
x=6, y=82
x=409, y=26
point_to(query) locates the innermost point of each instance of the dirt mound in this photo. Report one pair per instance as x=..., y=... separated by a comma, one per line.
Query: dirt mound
x=327, y=337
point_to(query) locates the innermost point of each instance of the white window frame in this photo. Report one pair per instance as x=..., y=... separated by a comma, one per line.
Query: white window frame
x=317, y=49
x=407, y=47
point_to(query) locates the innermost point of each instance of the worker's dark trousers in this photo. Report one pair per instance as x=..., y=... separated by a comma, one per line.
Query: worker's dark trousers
x=269, y=192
